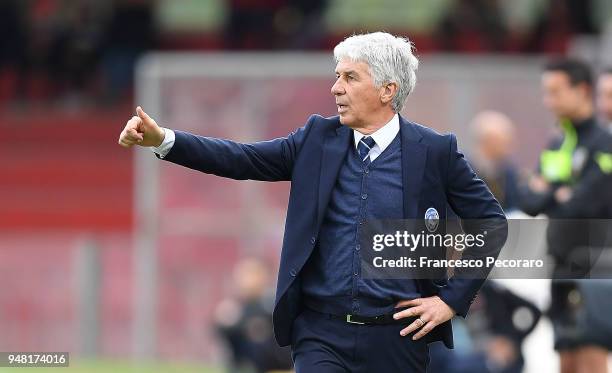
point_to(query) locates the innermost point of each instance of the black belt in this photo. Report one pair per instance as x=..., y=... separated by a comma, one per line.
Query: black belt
x=386, y=319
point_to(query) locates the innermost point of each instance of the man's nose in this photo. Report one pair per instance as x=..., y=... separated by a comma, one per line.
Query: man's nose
x=337, y=89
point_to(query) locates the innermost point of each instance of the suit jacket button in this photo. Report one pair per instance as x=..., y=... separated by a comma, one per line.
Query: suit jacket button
x=293, y=272
x=313, y=240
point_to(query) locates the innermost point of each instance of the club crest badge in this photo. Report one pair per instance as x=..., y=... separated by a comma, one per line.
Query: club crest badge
x=432, y=219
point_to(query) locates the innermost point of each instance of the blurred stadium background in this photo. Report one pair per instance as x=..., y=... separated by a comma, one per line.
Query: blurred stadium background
x=123, y=260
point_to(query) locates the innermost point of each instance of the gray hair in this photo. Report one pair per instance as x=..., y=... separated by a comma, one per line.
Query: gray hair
x=390, y=59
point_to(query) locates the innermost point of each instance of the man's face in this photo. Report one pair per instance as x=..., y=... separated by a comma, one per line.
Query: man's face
x=495, y=145
x=604, y=96
x=559, y=96
x=357, y=99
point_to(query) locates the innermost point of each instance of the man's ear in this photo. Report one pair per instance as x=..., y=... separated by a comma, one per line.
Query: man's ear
x=387, y=92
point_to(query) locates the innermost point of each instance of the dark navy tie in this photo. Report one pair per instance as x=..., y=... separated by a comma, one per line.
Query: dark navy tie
x=365, y=145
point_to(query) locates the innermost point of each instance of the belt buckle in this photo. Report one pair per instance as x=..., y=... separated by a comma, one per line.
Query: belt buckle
x=350, y=321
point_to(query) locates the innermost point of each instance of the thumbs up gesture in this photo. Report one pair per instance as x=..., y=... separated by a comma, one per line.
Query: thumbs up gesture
x=141, y=130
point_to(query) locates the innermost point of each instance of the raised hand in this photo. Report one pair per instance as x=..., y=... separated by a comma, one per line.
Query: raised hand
x=141, y=130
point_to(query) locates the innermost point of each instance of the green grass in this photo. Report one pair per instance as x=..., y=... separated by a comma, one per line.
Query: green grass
x=120, y=367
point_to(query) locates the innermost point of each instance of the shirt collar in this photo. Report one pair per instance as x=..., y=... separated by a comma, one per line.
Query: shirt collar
x=383, y=136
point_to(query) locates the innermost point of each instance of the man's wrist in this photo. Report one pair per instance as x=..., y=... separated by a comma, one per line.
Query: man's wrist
x=447, y=305
x=166, y=144
x=162, y=137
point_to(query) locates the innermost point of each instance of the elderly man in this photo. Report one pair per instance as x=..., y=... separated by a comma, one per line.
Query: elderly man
x=366, y=163
x=493, y=134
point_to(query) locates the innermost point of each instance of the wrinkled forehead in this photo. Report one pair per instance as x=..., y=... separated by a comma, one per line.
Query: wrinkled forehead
x=346, y=65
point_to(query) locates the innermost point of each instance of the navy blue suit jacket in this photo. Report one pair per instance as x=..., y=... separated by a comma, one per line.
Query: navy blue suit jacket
x=434, y=174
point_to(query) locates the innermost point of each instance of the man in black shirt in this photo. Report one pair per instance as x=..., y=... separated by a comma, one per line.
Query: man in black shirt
x=572, y=187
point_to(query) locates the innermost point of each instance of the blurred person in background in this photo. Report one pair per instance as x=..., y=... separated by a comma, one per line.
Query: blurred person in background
x=499, y=320
x=274, y=24
x=13, y=44
x=250, y=24
x=130, y=31
x=561, y=20
x=300, y=23
x=572, y=187
x=335, y=320
x=75, y=50
x=473, y=25
x=72, y=52
x=55, y=47
x=34, y=28
x=493, y=135
x=244, y=321
x=498, y=324
x=604, y=97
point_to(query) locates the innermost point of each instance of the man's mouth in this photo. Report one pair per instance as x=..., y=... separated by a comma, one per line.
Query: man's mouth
x=342, y=108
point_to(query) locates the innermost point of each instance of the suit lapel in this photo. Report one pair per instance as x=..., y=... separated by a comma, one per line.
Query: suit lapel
x=334, y=151
x=414, y=157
